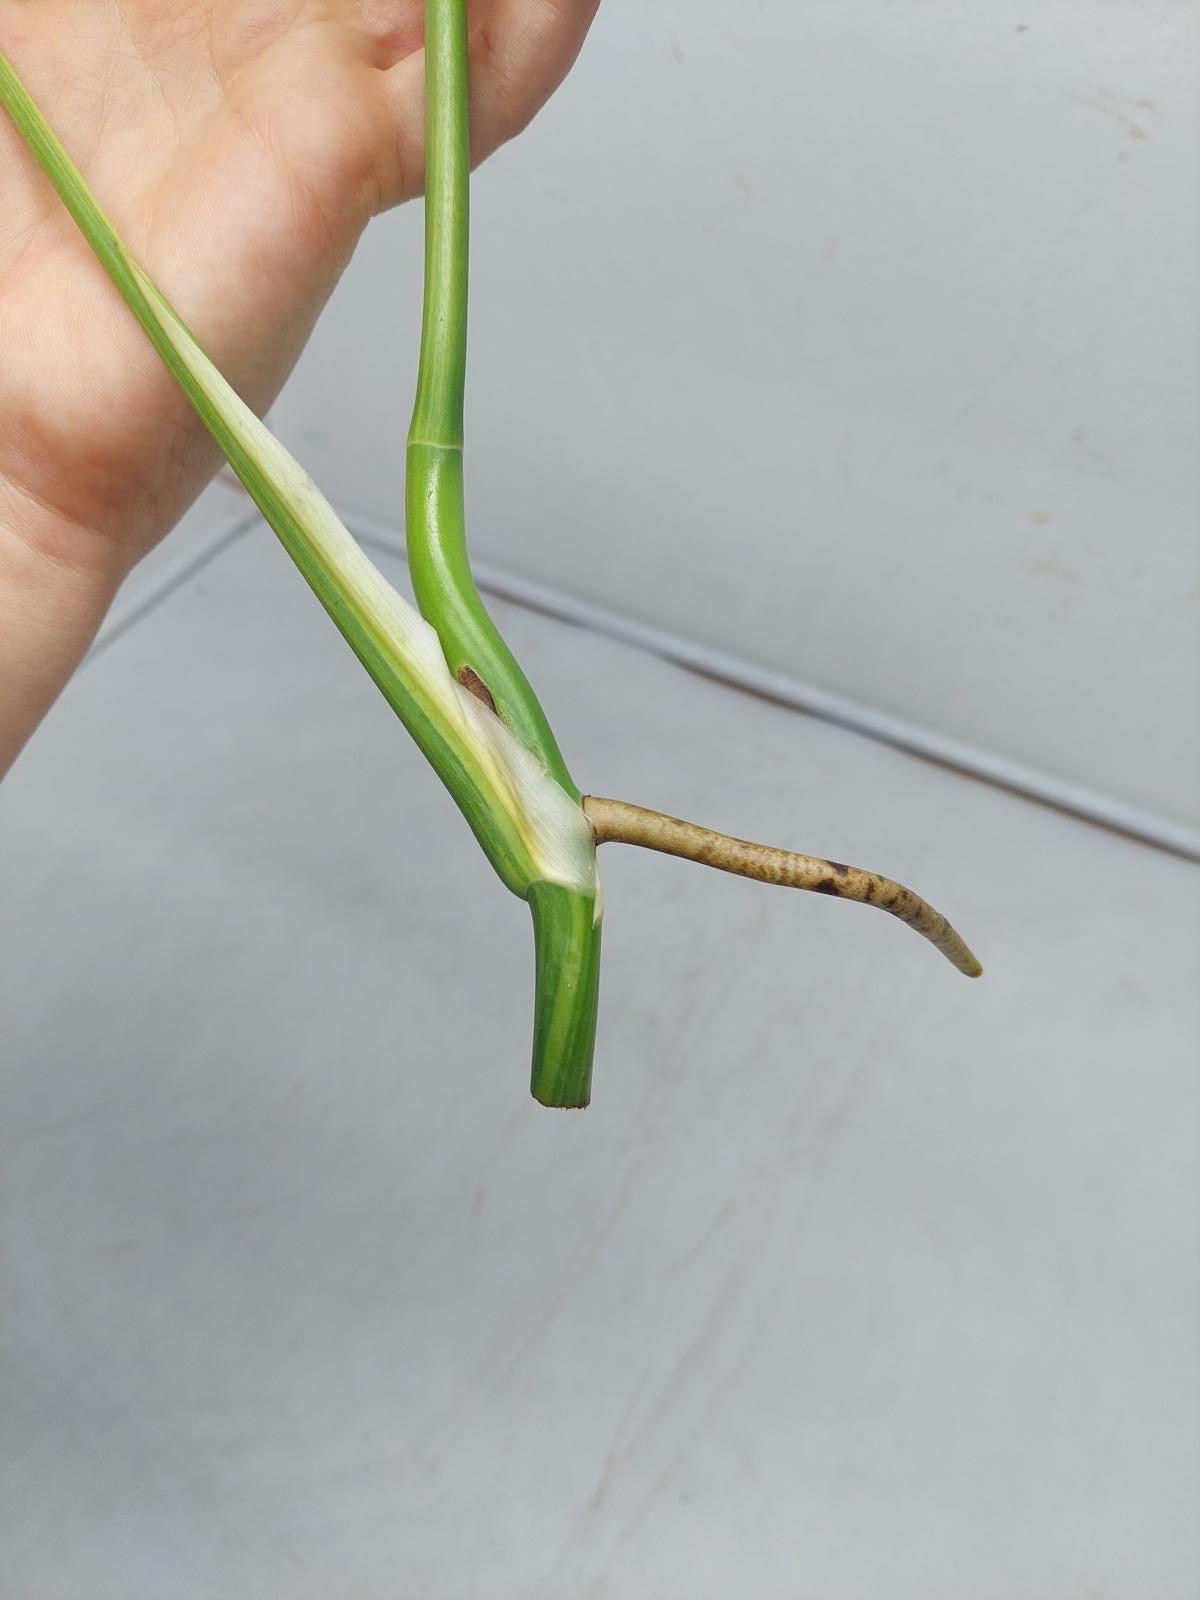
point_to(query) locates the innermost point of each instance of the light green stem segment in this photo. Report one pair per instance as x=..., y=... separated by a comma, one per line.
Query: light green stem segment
x=566, y=923
x=566, y=937
x=436, y=529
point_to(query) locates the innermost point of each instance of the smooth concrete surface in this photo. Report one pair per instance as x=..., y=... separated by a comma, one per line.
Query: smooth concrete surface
x=858, y=340
x=857, y=1280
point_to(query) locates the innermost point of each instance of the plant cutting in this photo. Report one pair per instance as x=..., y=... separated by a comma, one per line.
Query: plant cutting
x=445, y=669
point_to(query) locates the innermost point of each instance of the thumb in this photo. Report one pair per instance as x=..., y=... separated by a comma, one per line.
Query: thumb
x=520, y=51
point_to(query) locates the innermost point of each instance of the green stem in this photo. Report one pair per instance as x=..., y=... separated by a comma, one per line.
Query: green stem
x=441, y=372
x=436, y=525
x=566, y=926
x=566, y=938
x=92, y=222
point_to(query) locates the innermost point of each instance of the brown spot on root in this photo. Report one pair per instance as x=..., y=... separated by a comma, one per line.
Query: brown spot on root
x=474, y=684
x=618, y=821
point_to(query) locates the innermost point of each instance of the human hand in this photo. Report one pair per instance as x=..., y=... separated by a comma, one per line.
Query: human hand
x=240, y=147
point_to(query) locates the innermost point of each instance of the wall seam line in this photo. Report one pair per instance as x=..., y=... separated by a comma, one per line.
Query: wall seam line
x=913, y=738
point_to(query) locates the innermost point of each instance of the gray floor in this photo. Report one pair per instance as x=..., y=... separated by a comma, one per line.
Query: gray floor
x=857, y=1280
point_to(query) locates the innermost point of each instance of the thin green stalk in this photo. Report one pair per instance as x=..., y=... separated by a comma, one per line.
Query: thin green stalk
x=566, y=923
x=436, y=527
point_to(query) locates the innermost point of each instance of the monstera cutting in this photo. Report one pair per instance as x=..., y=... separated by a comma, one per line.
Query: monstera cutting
x=445, y=669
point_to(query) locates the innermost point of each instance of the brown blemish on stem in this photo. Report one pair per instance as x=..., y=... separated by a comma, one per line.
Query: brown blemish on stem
x=617, y=821
x=474, y=684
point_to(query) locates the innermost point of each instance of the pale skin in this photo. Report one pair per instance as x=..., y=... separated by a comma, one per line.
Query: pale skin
x=240, y=147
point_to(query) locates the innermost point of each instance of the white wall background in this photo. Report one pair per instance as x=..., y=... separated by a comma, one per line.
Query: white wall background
x=857, y=340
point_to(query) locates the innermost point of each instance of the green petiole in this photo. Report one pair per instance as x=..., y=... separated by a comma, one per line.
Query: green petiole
x=566, y=922
x=437, y=548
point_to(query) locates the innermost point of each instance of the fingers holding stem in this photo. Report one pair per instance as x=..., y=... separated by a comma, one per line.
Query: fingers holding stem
x=617, y=821
x=519, y=52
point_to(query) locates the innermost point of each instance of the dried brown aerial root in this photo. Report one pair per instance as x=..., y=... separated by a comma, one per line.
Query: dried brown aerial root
x=618, y=822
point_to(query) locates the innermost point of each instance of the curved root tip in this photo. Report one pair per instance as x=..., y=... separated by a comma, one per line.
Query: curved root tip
x=962, y=956
x=617, y=821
